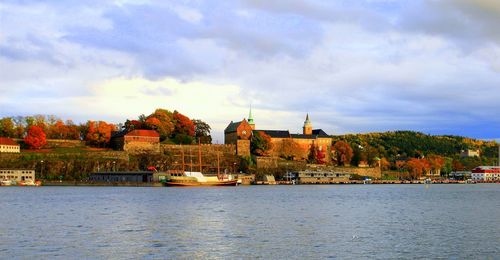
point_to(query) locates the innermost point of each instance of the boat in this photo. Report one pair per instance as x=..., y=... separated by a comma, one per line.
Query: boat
x=427, y=181
x=192, y=178
x=6, y=183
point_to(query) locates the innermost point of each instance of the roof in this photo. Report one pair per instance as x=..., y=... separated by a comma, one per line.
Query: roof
x=232, y=127
x=146, y=133
x=301, y=136
x=275, y=133
x=320, y=133
x=7, y=141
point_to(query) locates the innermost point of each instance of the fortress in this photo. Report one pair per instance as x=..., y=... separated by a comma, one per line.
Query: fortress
x=240, y=133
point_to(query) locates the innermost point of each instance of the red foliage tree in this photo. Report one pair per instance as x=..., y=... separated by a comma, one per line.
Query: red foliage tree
x=183, y=125
x=320, y=156
x=343, y=152
x=35, y=138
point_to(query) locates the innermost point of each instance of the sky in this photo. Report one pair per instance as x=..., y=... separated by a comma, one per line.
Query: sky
x=354, y=66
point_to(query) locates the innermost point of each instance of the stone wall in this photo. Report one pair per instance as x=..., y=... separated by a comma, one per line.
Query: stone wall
x=373, y=172
x=243, y=148
x=141, y=147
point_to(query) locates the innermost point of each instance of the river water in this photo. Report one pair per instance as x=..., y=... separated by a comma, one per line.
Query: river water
x=248, y=222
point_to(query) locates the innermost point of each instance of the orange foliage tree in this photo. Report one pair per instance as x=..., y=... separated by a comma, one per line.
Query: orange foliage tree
x=35, y=138
x=163, y=121
x=98, y=133
x=436, y=163
x=342, y=152
x=417, y=167
x=385, y=164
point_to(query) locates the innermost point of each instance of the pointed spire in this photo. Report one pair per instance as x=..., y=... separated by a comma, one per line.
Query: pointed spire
x=307, y=122
x=250, y=117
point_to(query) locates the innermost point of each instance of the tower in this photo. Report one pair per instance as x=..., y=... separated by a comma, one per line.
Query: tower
x=307, y=129
x=250, y=119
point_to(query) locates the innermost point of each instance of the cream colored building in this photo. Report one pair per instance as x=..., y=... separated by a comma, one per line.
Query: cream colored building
x=8, y=145
x=17, y=175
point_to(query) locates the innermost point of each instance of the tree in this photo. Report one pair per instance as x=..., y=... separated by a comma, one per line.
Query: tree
x=35, y=138
x=312, y=157
x=7, y=127
x=320, y=156
x=183, y=125
x=417, y=167
x=165, y=124
x=343, y=152
x=385, y=164
x=290, y=149
x=260, y=143
x=436, y=163
x=98, y=133
x=202, y=131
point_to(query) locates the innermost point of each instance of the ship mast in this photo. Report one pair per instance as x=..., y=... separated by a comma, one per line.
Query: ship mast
x=199, y=153
x=182, y=154
x=218, y=166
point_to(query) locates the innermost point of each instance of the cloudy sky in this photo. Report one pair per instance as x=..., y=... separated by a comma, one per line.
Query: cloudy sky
x=354, y=66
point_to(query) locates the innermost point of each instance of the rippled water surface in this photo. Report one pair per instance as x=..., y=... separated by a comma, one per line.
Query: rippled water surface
x=267, y=222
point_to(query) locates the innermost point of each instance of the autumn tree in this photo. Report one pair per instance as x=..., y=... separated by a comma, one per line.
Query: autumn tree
x=202, y=131
x=98, y=133
x=163, y=122
x=7, y=127
x=417, y=167
x=436, y=163
x=260, y=143
x=342, y=152
x=313, y=154
x=183, y=125
x=35, y=138
x=320, y=156
x=385, y=164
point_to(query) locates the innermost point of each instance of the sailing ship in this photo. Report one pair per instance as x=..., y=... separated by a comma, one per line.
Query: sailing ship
x=184, y=178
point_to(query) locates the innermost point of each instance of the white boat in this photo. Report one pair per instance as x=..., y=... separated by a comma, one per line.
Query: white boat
x=427, y=181
x=6, y=183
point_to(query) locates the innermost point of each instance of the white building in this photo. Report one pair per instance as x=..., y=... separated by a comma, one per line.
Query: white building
x=8, y=145
x=17, y=175
x=486, y=173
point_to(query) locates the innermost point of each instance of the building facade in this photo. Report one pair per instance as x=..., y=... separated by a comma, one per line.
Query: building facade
x=7, y=145
x=486, y=173
x=17, y=175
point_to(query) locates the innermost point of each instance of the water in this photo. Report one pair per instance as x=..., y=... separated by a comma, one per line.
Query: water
x=266, y=222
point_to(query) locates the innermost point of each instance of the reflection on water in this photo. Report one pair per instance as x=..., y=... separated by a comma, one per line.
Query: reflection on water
x=350, y=221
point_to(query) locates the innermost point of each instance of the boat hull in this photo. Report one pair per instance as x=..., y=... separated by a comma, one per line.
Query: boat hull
x=198, y=184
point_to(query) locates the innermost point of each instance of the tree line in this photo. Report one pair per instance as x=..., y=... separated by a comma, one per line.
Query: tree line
x=172, y=126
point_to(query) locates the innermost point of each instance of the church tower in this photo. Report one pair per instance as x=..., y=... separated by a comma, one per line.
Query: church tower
x=307, y=129
x=250, y=119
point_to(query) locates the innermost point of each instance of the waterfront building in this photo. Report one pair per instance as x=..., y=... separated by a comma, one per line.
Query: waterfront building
x=321, y=176
x=136, y=141
x=486, y=173
x=131, y=177
x=7, y=145
x=17, y=175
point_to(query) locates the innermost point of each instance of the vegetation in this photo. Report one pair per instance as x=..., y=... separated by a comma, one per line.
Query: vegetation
x=172, y=126
x=396, y=148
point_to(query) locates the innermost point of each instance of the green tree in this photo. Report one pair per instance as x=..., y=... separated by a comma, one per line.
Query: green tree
x=202, y=131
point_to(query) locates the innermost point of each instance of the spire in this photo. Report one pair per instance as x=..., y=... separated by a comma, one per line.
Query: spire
x=250, y=117
x=307, y=122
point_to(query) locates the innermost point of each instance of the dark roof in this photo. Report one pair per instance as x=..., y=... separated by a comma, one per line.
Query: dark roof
x=275, y=133
x=301, y=136
x=7, y=141
x=118, y=133
x=232, y=127
x=319, y=133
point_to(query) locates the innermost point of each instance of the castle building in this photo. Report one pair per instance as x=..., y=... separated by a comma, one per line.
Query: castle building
x=240, y=133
